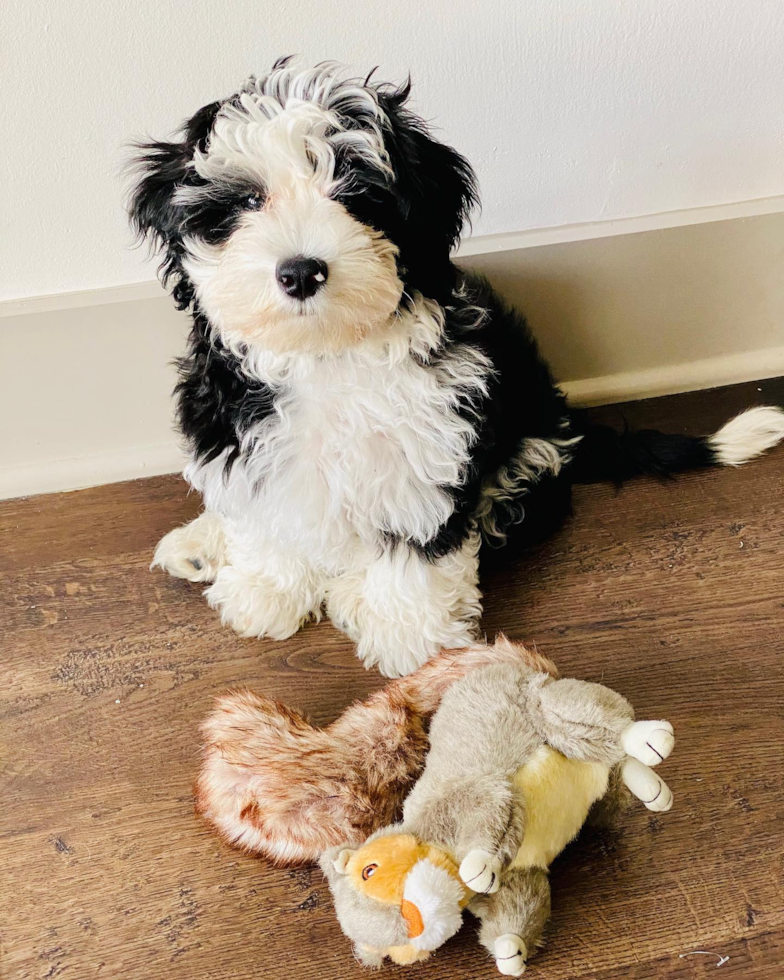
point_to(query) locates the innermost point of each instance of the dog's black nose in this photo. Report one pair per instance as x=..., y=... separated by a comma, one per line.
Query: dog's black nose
x=300, y=277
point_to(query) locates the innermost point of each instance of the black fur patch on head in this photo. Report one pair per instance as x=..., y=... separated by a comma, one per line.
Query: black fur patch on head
x=423, y=207
x=164, y=167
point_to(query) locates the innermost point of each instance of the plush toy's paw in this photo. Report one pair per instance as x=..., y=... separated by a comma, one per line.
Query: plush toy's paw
x=647, y=786
x=649, y=741
x=368, y=956
x=510, y=954
x=481, y=871
x=194, y=552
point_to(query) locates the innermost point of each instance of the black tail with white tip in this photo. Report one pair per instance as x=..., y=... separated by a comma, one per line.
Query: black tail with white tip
x=604, y=454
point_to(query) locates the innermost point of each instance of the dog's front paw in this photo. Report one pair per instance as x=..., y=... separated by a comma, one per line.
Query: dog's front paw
x=481, y=871
x=253, y=607
x=510, y=953
x=194, y=552
x=650, y=742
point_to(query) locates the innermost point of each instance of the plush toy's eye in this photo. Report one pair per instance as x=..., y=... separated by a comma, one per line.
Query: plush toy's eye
x=252, y=202
x=368, y=871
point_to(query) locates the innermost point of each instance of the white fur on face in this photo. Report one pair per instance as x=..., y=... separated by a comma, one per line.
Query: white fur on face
x=282, y=135
x=437, y=895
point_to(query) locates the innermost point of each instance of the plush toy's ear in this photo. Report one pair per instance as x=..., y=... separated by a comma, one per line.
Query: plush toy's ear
x=334, y=861
x=340, y=863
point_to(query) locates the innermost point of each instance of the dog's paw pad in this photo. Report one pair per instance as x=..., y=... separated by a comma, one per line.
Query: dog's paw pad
x=510, y=954
x=650, y=742
x=481, y=871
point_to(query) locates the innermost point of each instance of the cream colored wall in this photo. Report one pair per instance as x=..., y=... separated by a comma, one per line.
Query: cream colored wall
x=85, y=395
x=652, y=303
x=86, y=379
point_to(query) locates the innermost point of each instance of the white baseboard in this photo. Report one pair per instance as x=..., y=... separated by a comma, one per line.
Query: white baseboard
x=711, y=372
x=79, y=472
x=136, y=462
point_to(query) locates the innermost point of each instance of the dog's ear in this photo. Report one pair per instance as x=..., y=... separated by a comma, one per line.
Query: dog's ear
x=435, y=185
x=161, y=166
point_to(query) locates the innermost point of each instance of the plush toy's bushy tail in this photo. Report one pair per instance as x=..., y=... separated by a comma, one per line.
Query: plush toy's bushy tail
x=604, y=454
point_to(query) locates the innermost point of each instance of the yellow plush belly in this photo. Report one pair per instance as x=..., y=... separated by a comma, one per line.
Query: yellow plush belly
x=558, y=794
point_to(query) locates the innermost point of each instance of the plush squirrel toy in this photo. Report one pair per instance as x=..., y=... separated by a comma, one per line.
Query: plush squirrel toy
x=516, y=761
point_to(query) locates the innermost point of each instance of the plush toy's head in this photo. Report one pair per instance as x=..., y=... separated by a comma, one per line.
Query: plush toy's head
x=395, y=896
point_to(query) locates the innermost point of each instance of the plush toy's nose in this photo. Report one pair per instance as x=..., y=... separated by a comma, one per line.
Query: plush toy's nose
x=413, y=918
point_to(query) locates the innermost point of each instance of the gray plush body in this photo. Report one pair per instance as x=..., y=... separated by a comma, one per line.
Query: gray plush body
x=492, y=726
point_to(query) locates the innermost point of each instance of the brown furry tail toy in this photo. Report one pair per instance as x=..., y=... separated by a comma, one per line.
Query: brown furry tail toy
x=272, y=783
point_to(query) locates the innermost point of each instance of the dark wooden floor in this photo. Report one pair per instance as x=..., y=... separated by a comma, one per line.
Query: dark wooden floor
x=672, y=593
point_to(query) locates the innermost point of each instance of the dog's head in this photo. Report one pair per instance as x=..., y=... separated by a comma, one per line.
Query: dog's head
x=298, y=213
x=395, y=896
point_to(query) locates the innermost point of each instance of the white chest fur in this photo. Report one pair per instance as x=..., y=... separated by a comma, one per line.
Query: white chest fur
x=358, y=445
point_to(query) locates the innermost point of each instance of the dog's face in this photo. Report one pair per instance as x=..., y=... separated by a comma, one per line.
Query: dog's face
x=298, y=213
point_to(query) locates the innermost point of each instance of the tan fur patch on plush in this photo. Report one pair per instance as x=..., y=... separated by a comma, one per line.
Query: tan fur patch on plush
x=406, y=955
x=273, y=784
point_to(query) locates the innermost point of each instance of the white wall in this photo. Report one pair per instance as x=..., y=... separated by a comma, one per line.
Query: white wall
x=571, y=110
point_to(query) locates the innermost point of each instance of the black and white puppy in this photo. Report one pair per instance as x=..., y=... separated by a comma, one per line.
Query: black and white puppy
x=361, y=414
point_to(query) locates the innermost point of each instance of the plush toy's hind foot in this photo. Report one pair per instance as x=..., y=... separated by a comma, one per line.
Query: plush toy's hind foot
x=649, y=741
x=647, y=785
x=510, y=954
x=481, y=871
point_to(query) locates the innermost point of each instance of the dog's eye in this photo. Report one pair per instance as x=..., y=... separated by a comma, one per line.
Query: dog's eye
x=368, y=871
x=252, y=202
